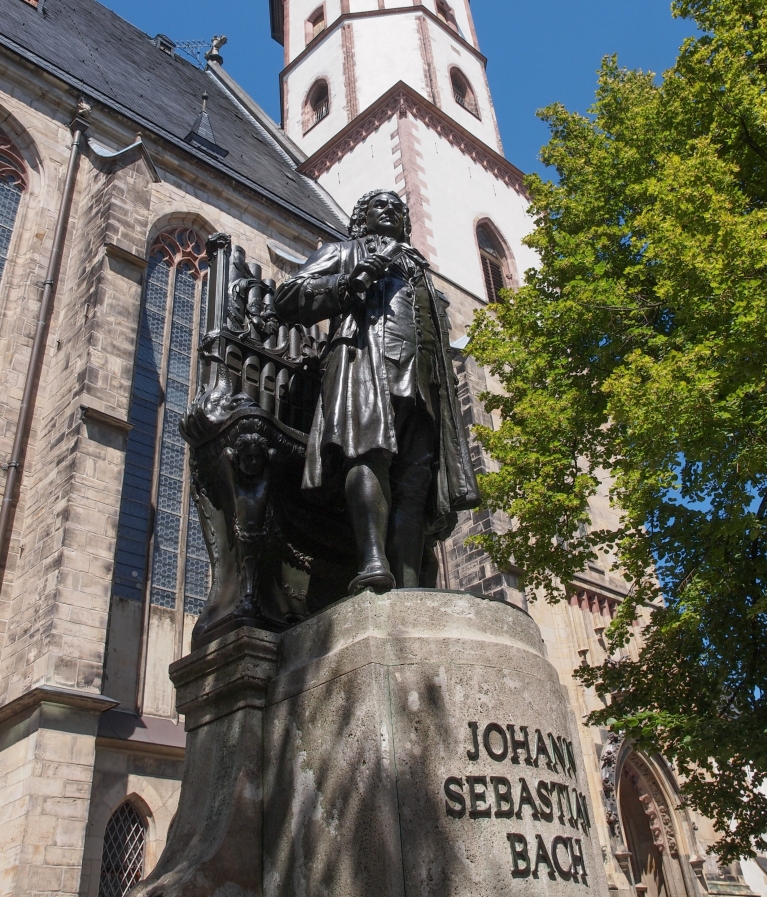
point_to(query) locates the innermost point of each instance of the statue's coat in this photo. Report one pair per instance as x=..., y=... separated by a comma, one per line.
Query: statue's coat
x=354, y=414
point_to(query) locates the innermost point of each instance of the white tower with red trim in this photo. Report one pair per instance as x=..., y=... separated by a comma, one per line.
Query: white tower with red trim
x=394, y=94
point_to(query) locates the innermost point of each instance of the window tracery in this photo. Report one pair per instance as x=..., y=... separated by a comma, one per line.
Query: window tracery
x=13, y=183
x=122, y=858
x=156, y=482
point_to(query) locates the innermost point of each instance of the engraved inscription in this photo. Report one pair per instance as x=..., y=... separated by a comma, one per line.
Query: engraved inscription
x=551, y=799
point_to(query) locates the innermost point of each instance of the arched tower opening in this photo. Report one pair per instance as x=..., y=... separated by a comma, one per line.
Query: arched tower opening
x=317, y=104
x=463, y=92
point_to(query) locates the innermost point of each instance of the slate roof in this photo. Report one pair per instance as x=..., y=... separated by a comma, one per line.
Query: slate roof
x=92, y=49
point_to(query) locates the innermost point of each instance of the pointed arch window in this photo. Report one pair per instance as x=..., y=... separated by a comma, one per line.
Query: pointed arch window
x=160, y=547
x=492, y=257
x=13, y=182
x=317, y=105
x=122, y=858
x=463, y=92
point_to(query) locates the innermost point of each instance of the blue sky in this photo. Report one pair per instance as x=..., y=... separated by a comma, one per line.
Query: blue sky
x=539, y=51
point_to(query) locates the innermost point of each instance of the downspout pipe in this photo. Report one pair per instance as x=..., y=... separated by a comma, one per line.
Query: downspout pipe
x=79, y=126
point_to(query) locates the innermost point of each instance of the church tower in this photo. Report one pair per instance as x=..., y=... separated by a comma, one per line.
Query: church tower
x=394, y=94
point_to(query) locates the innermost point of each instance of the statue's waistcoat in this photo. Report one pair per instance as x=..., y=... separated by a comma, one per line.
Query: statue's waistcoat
x=402, y=313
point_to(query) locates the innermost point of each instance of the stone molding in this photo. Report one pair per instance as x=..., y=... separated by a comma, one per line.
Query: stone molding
x=350, y=72
x=137, y=149
x=88, y=413
x=141, y=748
x=609, y=768
x=371, y=629
x=51, y=694
x=427, y=56
x=654, y=804
x=418, y=9
x=214, y=845
x=401, y=100
x=125, y=255
x=225, y=676
x=11, y=163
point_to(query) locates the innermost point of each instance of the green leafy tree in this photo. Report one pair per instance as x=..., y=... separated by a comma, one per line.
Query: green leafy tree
x=637, y=353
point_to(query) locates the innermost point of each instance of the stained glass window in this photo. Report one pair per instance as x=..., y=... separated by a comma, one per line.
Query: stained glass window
x=12, y=185
x=157, y=507
x=122, y=859
x=10, y=197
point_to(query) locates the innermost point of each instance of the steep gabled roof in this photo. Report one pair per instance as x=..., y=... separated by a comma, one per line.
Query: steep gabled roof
x=92, y=49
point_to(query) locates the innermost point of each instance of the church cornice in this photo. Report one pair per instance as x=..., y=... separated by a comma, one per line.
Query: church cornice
x=403, y=100
x=378, y=13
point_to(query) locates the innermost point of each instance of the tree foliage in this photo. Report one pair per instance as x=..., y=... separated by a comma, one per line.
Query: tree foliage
x=637, y=351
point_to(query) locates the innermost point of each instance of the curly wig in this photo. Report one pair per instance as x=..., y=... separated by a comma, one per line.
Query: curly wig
x=358, y=223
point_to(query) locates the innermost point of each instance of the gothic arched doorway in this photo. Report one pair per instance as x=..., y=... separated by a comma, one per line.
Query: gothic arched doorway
x=649, y=831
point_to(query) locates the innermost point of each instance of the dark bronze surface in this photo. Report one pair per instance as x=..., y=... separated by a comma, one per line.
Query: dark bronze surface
x=275, y=559
x=388, y=430
x=306, y=445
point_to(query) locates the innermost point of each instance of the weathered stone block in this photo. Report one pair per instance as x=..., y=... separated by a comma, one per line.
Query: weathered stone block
x=420, y=742
x=214, y=849
x=414, y=742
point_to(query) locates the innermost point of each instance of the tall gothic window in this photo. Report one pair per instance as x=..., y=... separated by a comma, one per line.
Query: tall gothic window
x=122, y=859
x=317, y=105
x=160, y=546
x=492, y=256
x=12, y=184
x=463, y=92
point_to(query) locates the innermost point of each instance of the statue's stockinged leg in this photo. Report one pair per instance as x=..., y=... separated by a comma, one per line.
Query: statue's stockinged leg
x=411, y=477
x=406, y=526
x=368, y=497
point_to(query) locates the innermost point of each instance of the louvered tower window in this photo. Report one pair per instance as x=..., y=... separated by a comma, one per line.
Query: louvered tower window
x=463, y=92
x=12, y=185
x=160, y=545
x=122, y=860
x=492, y=263
x=317, y=104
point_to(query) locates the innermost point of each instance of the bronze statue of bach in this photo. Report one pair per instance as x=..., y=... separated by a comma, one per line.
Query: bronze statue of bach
x=387, y=430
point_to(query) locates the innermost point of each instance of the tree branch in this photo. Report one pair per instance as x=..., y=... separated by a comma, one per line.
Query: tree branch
x=750, y=141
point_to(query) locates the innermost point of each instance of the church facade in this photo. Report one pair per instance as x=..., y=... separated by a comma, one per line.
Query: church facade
x=118, y=160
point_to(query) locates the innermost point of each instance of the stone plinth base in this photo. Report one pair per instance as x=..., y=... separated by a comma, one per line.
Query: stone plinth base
x=412, y=743
x=214, y=845
x=419, y=743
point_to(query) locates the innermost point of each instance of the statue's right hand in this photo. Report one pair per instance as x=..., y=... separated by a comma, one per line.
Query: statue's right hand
x=371, y=268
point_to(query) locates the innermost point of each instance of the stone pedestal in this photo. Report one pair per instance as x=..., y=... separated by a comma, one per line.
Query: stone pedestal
x=214, y=845
x=412, y=743
x=419, y=743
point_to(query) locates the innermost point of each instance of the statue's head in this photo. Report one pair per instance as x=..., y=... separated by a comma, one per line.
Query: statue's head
x=380, y=212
